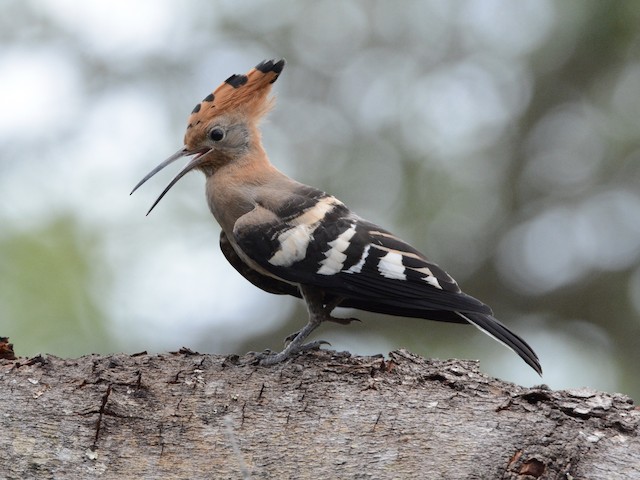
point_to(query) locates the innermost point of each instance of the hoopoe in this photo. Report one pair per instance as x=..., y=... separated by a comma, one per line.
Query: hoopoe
x=292, y=239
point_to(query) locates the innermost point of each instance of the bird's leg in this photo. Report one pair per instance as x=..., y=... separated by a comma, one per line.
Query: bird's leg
x=318, y=313
x=328, y=308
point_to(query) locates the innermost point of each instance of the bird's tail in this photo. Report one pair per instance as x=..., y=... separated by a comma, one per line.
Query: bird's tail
x=501, y=333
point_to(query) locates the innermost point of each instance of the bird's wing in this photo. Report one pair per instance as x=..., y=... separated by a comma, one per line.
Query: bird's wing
x=315, y=240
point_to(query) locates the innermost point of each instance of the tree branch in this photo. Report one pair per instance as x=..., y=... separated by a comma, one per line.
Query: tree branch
x=324, y=414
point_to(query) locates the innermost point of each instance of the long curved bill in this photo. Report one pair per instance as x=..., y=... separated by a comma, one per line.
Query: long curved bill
x=183, y=152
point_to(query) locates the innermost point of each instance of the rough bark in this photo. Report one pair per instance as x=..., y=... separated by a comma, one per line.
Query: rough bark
x=321, y=415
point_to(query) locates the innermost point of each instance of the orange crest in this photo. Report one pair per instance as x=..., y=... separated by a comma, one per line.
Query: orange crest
x=247, y=94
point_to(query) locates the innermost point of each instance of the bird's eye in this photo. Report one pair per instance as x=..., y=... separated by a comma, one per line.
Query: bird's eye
x=216, y=134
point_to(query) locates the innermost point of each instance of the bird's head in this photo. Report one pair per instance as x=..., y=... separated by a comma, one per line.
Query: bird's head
x=223, y=125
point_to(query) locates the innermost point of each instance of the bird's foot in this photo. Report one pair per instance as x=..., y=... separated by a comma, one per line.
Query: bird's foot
x=292, y=349
x=254, y=358
x=318, y=313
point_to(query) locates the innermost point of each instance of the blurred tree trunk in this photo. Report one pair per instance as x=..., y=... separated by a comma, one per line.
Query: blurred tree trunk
x=323, y=415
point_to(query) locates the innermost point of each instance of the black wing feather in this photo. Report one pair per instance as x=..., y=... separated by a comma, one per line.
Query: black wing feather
x=370, y=289
x=279, y=287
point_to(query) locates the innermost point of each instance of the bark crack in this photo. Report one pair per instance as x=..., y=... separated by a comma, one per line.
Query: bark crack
x=101, y=412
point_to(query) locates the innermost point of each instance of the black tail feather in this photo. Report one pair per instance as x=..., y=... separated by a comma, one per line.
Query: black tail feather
x=497, y=330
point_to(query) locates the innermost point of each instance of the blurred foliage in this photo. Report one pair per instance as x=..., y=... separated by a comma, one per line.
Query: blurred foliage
x=47, y=285
x=501, y=138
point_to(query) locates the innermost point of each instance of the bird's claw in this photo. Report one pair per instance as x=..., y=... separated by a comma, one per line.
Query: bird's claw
x=275, y=358
x=254, y=358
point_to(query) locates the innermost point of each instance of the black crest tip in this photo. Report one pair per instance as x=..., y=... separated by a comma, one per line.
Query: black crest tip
x=237, y=80
x=274, y=66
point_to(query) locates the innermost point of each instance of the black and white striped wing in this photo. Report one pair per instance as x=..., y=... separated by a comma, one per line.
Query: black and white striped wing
x=315, y=240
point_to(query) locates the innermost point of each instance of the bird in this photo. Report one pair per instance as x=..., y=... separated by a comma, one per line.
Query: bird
x=288, y=238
